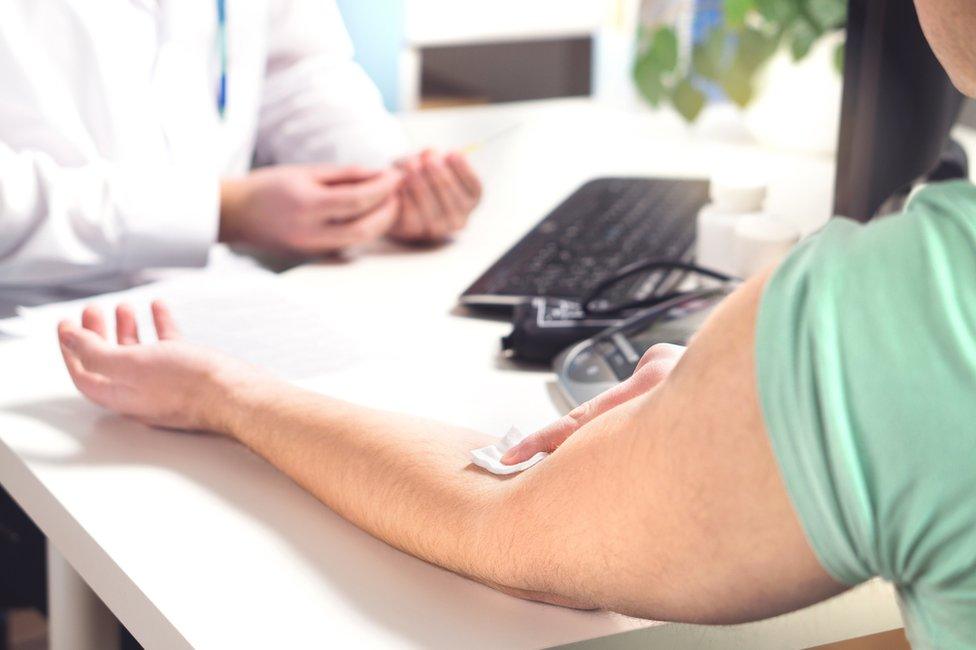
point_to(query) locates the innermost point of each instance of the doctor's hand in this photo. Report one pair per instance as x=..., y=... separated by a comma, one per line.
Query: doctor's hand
x=309, y=210
x=438, y=195
x=655, y=366
x=170, y=384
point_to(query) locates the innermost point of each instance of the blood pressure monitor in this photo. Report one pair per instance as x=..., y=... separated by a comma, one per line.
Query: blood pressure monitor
x=599, y=363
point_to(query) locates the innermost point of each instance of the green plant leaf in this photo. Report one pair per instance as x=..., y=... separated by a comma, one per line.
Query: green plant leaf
x=733, y=52
x=738, y=85
x=802, y=37
x=688, y=100
x=839, y=53
x=737, y=10
x=754, y=49
x=708, y=57
x=827, y=14
x=649, y=78
x=664, y=48
x=778, y=12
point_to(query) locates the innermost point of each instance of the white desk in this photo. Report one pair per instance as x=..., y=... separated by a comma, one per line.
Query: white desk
x=194, y=542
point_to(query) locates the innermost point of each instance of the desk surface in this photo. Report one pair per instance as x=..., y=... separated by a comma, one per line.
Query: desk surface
x=194, y=542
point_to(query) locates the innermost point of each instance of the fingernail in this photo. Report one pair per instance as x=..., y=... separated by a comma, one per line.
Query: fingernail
x=510, y=455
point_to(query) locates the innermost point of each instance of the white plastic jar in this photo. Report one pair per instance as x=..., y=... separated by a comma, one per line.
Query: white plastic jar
x=733, y=196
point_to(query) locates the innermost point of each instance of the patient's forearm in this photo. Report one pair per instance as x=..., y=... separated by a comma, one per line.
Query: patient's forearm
x=669, y=505
x=404, y=480
x=659, y=507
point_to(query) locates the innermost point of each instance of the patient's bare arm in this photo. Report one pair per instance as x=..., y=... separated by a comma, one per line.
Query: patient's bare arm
x=667, y=506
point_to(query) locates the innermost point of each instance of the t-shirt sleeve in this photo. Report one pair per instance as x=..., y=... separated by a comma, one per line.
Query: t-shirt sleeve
x=866, y=362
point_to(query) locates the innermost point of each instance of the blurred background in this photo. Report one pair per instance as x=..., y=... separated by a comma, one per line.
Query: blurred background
x=436, y=53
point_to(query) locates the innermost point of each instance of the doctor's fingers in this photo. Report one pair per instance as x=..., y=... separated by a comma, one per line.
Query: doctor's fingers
x=454, y=201
x=410, y=226
x=436, y=221
x=462, y=168
x=369, y=227
x=418, y=188
x=331, y=174
x=350, y=200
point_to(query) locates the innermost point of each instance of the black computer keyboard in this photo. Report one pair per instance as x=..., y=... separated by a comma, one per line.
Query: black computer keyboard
x=604, y=226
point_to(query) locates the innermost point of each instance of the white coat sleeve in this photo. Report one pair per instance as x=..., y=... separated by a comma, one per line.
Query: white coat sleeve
x=64, y=224
x=318, y=104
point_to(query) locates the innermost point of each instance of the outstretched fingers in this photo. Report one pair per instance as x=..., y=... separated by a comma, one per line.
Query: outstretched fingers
x=84, y=353
x=93, y=321
x=126, y=329
x=166, y=329
x=95, y=353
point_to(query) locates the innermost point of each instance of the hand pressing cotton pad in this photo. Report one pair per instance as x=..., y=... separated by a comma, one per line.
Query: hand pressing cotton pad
x=490, y=458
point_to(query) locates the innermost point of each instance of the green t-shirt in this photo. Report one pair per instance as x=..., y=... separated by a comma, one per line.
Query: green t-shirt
x=866, y=362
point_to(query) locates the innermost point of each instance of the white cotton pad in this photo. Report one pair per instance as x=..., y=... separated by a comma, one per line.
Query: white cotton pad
x=490, y=458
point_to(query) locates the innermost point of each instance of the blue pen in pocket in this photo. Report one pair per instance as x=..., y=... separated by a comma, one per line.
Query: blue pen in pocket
x=222, y=48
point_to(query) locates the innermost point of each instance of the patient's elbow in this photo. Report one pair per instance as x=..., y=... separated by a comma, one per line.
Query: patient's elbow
x=542, y=597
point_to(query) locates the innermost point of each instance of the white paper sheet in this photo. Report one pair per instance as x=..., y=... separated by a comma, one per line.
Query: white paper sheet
x=249, y=315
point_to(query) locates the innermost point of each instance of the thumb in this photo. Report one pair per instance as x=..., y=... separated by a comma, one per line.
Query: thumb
x=333, y=175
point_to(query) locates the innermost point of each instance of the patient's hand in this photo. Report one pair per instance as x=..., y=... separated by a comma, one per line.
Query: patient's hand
x=654, y=367
x=169, y=384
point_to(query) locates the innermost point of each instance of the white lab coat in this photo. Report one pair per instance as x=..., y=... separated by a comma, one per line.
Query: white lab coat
x=111, y=145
